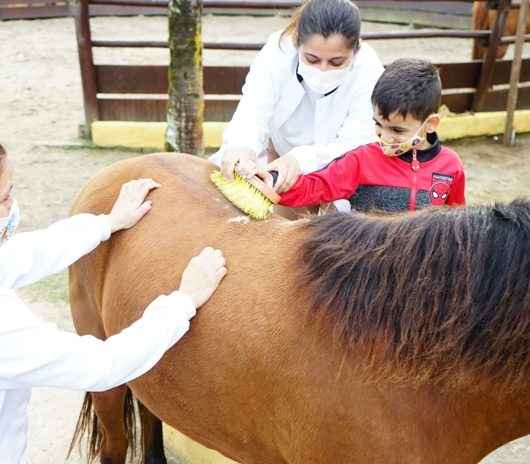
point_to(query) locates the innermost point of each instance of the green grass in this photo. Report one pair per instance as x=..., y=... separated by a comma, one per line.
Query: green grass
x=53, y=289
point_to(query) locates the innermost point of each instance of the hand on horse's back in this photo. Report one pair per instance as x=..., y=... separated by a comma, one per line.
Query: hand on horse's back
x=130, y=206
x=203, y=275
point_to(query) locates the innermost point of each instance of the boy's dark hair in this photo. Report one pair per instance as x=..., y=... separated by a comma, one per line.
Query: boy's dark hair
x=408, y=86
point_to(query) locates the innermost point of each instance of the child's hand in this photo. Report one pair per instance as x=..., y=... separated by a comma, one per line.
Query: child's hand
x=130, y=206
x=288, y=172
x=203, y=275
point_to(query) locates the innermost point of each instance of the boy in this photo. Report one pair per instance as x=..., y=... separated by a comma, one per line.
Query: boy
x=407, y=168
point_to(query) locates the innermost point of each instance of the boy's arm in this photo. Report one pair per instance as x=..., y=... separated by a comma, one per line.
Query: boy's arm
x=457, y=195
x=335, y=182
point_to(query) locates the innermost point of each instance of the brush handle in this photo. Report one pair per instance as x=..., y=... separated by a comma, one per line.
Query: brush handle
x=269, y=192
x=274, y=175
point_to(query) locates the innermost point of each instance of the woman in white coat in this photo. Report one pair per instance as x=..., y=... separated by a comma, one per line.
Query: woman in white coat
x=306, y=99
x=34, y=353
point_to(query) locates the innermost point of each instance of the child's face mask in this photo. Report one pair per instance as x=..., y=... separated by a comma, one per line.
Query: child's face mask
x=322, y=82
x=9, y=223
x=399, y=148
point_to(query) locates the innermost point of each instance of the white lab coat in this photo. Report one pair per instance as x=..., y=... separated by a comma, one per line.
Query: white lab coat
x=272, y=93
x=36, y=353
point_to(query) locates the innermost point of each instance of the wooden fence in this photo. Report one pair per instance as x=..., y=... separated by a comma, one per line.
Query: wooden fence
x=138, y=92
x=443, y=14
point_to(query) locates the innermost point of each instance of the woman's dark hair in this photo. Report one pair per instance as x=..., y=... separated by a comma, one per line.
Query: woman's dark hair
x=326, y=18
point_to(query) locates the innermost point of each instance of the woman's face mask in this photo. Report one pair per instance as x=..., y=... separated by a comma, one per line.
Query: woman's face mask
x=320, y=81
x=9, y=223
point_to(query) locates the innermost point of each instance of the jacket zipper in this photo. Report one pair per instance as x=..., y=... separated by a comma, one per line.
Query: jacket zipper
x=415, y=166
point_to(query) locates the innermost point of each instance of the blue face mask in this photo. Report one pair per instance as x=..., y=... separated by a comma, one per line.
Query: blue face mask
x=9, y=224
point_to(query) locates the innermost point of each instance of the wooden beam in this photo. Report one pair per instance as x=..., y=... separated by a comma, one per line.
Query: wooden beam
x=509, y=132
x=79, y=10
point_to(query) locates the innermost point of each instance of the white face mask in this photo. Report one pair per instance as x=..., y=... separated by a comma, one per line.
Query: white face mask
x=9, y=223
x=322, y=82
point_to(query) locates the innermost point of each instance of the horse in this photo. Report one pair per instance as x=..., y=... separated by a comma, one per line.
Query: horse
x=484, y=18
x=333, y=339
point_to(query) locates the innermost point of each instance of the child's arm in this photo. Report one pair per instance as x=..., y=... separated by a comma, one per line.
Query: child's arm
x=335, y=182
x=457, y=195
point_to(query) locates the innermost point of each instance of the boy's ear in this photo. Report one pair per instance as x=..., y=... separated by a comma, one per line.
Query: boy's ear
x=433, y=123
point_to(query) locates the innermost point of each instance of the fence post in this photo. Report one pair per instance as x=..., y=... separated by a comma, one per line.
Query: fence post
x=486, y=74
x=509, y=132
x=79, y=9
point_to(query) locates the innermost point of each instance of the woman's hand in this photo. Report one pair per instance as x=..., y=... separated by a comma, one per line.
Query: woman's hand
x=203, y=275
x=235, y=155
x=131, y=206
x=288, y=172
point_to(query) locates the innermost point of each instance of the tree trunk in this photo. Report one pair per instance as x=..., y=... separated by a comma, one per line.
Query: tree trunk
x=186, y=104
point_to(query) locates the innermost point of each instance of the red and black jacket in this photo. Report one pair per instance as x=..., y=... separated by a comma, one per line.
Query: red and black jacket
x=370, y=180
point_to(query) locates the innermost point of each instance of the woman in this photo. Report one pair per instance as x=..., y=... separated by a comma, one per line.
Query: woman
x=306, y=99
x=34, y=353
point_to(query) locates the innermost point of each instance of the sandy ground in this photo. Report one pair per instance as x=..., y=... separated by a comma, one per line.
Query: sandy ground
x=41, y=108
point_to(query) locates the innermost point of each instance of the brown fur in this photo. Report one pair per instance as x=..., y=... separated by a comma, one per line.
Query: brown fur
x=484, y=19
x=441, y=297
x=259, y=376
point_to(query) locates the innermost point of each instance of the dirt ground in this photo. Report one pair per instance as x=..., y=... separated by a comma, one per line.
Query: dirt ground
x=41, y=108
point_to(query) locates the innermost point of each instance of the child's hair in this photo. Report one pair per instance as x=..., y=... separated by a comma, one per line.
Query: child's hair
x=326, y=17
x=2, y=151
x=408, y=86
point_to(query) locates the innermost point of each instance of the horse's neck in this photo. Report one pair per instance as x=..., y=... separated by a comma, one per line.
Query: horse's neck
x=490, y=421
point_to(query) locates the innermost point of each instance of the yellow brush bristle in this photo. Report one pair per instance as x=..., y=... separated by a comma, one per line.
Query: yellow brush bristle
x=243, y=195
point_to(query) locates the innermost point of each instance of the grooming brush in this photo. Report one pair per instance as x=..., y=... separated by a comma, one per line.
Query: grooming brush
x=252, y=196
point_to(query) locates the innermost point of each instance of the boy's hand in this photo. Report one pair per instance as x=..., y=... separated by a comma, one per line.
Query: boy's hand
x=130, y=206
x=234, y=155
x=203, y=275
x=288, y=172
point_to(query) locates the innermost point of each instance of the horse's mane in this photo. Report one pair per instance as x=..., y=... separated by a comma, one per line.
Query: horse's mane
x=440, y=297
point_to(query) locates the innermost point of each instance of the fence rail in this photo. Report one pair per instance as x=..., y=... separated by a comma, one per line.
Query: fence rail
x=139, y=93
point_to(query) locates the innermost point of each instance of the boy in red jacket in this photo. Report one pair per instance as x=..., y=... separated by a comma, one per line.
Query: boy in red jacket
x=407, y=168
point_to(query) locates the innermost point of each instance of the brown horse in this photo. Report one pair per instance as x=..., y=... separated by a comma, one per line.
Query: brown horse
x=484, y=19
x=336, y=339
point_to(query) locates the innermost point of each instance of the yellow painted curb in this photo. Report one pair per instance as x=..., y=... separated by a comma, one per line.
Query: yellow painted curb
x=151, y=134
x=132, y=134
x=189, y=451
x=481, y=124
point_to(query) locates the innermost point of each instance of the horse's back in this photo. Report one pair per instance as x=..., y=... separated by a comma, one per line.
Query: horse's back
x=233, y=357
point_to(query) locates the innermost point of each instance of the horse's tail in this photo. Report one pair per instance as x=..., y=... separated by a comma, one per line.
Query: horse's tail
x=88, y=426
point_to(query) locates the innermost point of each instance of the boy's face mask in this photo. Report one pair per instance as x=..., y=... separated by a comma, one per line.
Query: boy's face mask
x=399, y=148
x=9, y=223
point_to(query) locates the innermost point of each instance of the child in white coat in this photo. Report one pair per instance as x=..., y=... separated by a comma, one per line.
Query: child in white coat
x=34, y=353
